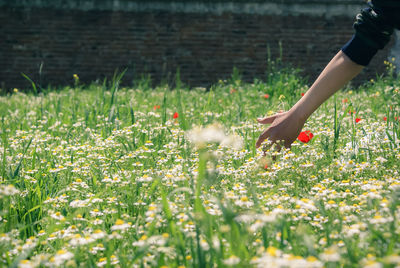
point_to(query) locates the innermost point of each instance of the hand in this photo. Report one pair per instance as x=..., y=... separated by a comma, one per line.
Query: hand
x=285, y=126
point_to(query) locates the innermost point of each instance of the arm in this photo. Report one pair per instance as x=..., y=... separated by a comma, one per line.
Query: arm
x=287, y=126
x=336, y=74
x=373, y=29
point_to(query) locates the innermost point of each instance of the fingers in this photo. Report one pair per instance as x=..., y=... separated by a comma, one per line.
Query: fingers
x=269, y=132
x=262, y=138
x=266, y=120
x=269, y=119
x=279, y=145
x=274, y=143
x=288, y=144
x=275, y=146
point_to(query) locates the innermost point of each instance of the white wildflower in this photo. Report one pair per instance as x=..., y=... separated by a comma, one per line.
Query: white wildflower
x=232, y=260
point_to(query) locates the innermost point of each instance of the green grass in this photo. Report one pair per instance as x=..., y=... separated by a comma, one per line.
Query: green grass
x=101, y=175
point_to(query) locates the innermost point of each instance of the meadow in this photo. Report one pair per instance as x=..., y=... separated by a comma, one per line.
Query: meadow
x=105, y=176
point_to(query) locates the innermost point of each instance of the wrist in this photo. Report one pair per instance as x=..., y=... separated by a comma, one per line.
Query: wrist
x=299, y=112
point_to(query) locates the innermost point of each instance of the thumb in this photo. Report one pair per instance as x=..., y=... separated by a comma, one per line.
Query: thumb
x=266, y=120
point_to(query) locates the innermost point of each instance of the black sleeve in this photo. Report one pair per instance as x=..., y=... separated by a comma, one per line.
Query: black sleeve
x=373, y=31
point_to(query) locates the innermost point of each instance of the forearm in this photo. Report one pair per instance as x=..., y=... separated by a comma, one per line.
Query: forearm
x=336, y=74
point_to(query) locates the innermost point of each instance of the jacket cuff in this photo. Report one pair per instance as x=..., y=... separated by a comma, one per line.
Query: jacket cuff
x=359, y=51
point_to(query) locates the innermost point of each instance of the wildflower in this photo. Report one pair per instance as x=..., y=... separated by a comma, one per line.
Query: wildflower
x=145, y=178
x=96, y=212
x=232, y=260
x=378, y=219
x=97, y=248
x=213, y=134
x=78, y=240
x=306, y=204
x=8, y=190
x=313, y=262
x=176, y=115
x=102, y=262
x=141, y=242
x=58, y=216
x=98, y=234
x=266, y=96
x=25, y=264
x=381, y=159
x=165, y=235
x=79, y=217
x=371, y=264
x=330, y=255
x=305, y=136
x=15, y=90
x=41, y=233
x=60, y=257
x=244, y=201
x=204, y=245
x=358, y=120
x=156, y=107
x=384, y=118
x=157, y=240
x=120, y=225
x=393, y=259
x=114, y=259
x=79, y=203
x=302, y=94
x=273, y=251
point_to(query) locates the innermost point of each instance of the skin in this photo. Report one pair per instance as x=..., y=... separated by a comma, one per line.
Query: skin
x=286, y=126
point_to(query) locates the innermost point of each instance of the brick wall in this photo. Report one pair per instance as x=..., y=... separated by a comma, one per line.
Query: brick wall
x=92, y=40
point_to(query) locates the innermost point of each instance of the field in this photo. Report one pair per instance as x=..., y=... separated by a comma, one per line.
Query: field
x=106, y=176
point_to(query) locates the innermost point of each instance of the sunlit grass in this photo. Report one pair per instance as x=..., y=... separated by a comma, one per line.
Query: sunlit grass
x=101, y=175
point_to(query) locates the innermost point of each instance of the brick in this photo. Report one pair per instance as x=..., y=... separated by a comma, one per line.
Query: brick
x=205, y=46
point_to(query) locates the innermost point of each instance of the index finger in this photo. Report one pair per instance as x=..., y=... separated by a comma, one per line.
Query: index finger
x=262, y=137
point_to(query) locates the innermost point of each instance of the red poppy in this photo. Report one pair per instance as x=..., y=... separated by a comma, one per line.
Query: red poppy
x=345, y=100
x=384, y=118
x=302, y=94
x=305, y=136
x=156, y=107
x=358, y=120
x=176, y=115
x=266, y=96
x=266, y=166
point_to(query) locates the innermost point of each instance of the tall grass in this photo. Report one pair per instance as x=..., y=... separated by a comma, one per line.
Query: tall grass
x=103, y=175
